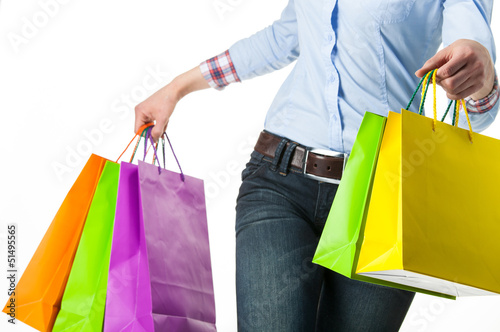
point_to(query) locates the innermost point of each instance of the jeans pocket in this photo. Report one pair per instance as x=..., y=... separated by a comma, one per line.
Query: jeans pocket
x=255, y=163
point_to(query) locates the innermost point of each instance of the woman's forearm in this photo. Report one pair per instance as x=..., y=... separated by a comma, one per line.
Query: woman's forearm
x=160, y=105
x=188, y=82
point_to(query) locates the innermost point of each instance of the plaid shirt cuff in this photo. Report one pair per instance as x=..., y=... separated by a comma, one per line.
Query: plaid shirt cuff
x=219, y=71
x=485, y=104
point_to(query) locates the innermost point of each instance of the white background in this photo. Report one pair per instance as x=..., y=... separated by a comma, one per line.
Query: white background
x=91, y=61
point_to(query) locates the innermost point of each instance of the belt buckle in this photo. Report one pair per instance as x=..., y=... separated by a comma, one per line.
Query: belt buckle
x=328, y=153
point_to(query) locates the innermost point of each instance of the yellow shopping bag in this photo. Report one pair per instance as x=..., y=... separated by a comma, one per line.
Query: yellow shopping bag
x=433, y=220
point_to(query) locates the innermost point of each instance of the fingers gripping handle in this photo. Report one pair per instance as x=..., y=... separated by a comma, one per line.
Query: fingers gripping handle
x=139, y=132
x=145, y=131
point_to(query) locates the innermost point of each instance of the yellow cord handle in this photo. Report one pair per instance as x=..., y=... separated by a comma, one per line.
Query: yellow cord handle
x=434, y=106
x=457, y=113
x=434, y=101
x=467, y=116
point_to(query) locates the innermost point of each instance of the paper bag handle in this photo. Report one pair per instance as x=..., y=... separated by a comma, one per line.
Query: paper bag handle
x=145, y=131
x=139, y=132
x=425, y=82
x=150, y=138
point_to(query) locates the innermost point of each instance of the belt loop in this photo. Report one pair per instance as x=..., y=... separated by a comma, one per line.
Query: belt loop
x=286, y=158
x=278, y=153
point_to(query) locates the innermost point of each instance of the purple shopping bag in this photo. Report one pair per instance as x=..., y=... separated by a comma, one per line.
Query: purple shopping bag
x=175, y=223
x=128, y=299
x=160, y=276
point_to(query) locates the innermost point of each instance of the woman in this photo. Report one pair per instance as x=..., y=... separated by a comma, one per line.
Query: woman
x=351, y=57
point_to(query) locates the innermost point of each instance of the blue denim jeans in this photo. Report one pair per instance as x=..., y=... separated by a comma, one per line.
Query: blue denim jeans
x=280, y=214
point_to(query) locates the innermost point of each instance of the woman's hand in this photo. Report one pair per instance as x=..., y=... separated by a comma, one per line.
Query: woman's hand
x=160, y=106
x=465, y=69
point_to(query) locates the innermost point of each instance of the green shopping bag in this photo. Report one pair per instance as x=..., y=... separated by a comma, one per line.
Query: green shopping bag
x=82, y=306
x=341, y=240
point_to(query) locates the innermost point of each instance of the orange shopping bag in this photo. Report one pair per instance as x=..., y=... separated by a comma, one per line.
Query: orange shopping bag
x=38, y=293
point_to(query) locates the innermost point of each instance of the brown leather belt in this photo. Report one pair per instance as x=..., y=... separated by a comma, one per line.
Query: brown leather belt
x=323, y=165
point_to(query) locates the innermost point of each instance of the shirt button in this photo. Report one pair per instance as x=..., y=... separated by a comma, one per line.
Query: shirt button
x=332, y=79
x=330, y=38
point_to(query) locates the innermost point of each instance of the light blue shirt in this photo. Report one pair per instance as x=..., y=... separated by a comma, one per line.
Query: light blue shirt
x=354, y=56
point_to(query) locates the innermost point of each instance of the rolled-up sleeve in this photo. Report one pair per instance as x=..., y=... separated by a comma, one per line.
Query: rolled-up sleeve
x=482, y=112
x=269, y=49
